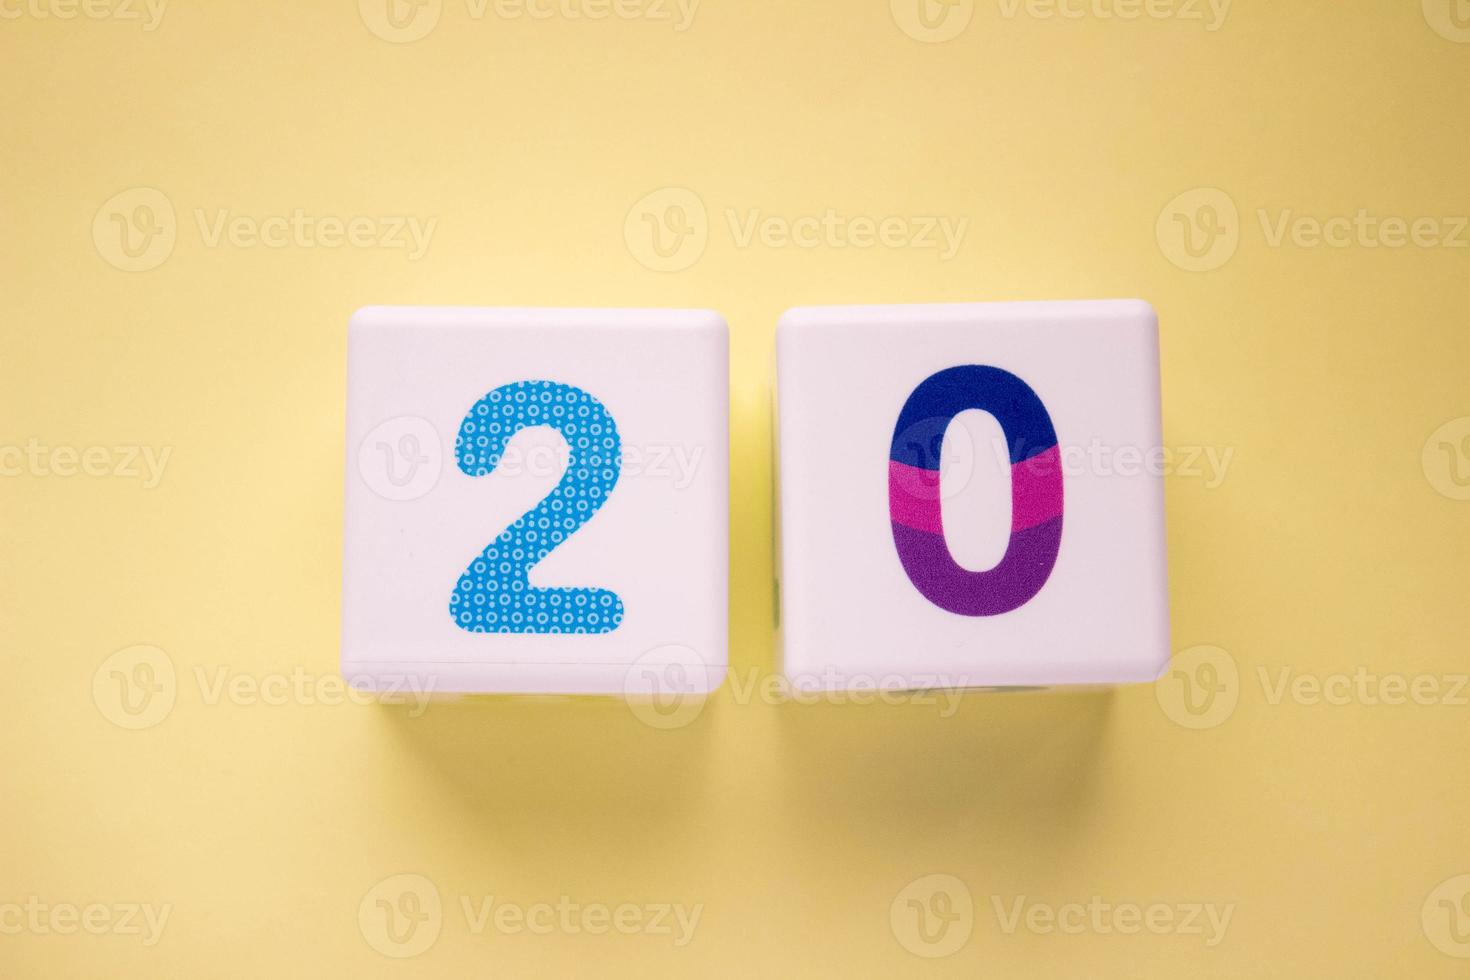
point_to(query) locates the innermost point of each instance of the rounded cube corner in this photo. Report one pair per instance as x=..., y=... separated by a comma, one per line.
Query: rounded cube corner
x=710, y=320
x=366, y=318
x=1139, y=312
x=797, y=317
x=714, y=679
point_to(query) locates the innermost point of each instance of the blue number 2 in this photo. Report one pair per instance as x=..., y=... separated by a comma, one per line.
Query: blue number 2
x=495, y=595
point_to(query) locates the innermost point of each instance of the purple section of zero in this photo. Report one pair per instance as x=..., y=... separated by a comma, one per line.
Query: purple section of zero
x=1020, y=575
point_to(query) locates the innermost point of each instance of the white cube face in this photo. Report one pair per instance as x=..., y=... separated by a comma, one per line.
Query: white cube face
x=971, y=495
x=537, y=500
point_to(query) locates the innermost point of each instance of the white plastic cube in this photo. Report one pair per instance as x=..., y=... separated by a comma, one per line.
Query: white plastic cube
x=971, y=495
x=537, y=500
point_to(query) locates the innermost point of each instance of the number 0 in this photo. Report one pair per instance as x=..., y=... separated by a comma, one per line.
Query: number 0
x=1036, y=491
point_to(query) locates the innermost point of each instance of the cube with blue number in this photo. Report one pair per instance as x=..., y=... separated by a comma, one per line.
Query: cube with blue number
x=971, y=495
x=537, y=501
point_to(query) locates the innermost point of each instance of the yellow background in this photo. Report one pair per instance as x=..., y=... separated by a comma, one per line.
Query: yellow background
x=1329, y=545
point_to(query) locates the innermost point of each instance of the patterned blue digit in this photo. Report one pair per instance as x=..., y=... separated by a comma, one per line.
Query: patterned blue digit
x=495, y=595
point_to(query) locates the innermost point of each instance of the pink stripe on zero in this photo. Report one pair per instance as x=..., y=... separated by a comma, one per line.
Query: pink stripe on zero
x=913, y=497
x=1036, y=493
x=1036, y=490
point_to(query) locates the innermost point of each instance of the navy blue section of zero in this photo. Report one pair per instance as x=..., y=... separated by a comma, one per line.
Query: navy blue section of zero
x=942, y=396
